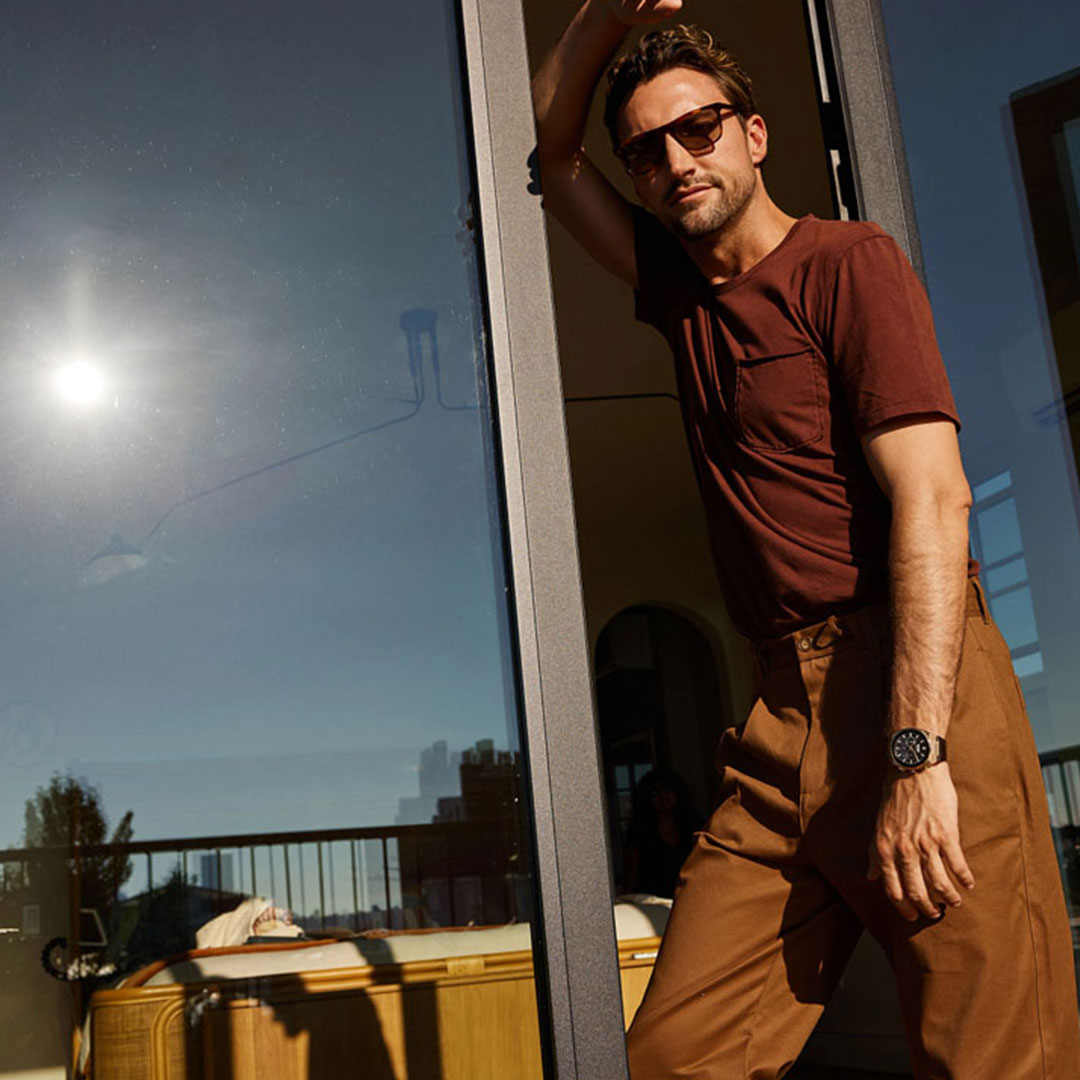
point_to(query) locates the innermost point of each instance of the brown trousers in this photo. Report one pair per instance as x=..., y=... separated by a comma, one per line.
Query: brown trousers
x=774, y=896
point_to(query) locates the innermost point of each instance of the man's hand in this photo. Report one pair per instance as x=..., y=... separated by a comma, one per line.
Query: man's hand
x=916, y=844
x=639, y=12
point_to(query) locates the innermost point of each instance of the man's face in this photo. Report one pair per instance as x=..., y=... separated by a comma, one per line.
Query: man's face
x=694, y=195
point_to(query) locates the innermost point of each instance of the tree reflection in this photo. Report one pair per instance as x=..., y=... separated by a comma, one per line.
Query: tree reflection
x=68, y=813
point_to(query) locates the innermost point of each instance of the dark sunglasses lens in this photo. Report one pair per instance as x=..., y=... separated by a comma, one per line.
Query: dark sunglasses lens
x=700, y=130
x=644, y=154
x=697, y=132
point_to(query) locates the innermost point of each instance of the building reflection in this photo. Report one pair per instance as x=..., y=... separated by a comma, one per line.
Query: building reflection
x=465, y=866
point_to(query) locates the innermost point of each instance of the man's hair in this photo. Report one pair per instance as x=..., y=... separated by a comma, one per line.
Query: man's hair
x=678, y=46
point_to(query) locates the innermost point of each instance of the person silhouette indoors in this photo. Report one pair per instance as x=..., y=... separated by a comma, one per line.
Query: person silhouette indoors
x=661, y=833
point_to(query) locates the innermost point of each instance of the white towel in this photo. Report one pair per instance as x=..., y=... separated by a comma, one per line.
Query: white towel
x=254, y=916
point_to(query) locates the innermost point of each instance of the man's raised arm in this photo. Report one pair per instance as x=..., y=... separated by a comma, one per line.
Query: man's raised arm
x=575, y=191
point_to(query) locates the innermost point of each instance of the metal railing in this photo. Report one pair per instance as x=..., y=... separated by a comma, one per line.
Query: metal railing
x=434, y=874
x=1061, y=775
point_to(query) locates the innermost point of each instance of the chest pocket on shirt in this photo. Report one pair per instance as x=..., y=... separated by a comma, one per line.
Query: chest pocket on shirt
x=779, y=401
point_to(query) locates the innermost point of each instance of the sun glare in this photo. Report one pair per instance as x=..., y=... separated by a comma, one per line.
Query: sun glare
x=80, y=383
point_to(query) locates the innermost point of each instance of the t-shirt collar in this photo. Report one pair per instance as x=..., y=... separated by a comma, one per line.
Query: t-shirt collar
x=738, y=279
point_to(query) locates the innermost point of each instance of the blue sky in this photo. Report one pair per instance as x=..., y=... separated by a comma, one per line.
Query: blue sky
x=225, y=213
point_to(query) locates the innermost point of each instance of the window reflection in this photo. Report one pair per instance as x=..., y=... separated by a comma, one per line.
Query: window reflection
x=257, y=668
x=1001, y=274
x=1046, y=119
x=995, y=187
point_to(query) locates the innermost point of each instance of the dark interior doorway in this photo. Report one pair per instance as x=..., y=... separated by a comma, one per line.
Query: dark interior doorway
x=660, y=705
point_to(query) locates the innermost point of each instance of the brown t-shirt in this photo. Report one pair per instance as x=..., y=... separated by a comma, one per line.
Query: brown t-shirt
x=781, y=370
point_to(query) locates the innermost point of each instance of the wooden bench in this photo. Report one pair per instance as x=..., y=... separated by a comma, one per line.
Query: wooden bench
x=451, y=1005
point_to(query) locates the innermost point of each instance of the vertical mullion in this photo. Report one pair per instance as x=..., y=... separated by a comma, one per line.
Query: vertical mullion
x=856, y=33
x=573, y=932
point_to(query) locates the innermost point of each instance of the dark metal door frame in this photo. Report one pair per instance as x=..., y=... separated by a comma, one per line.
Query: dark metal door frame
x=575, y=942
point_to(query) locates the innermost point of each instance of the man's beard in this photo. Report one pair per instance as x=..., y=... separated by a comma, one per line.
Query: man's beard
x=718, y=208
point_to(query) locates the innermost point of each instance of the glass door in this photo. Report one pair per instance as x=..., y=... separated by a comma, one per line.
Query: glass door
x=995, y=178
x=263, y=800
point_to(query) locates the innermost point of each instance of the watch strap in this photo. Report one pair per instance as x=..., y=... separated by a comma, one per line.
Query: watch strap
x=937, y=749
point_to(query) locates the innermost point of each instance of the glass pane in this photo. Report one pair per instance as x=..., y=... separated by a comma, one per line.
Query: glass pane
x=1011, y=573
x=995, y=182
x=256, y=664
x=998, y=531
x=1015, y=616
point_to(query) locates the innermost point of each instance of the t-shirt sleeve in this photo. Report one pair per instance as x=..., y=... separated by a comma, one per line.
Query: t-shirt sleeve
x=882, y=338
x=658, y=258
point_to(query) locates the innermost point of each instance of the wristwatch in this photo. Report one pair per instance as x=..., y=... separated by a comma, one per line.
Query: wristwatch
x=912, y=749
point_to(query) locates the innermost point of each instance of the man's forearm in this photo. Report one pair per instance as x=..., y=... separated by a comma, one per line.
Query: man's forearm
x=916, y=849
x=563, y=87
x=928, y=567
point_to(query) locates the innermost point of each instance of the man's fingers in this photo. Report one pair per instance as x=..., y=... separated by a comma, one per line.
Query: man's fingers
x=645, y=10
x=917, y=845
x=957, y=864
x=911, y=876
x=941, y=885
x=884, y=867
x=908, y=910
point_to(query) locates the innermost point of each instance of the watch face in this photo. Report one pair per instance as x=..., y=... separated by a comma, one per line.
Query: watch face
x=910, y=748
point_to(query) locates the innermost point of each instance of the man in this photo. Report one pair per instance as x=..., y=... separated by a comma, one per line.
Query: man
x=823, y=434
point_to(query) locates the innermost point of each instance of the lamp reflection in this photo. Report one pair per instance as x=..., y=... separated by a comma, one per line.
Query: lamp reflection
x=119, y=556
x=115, y=558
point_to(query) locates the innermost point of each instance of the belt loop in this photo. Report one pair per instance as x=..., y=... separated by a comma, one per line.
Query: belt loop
x=980, y=596
x=835, y=633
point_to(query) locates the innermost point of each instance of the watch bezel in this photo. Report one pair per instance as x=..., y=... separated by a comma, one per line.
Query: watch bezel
x=901, y=739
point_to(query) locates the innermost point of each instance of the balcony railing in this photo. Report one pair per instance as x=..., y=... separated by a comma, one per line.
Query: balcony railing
x=1061, y=774
x=439, y=874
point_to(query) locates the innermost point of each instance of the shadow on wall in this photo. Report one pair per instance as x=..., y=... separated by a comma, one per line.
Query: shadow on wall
x=313, y=1035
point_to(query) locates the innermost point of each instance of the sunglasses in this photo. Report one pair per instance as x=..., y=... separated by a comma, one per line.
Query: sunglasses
x=697, y=132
